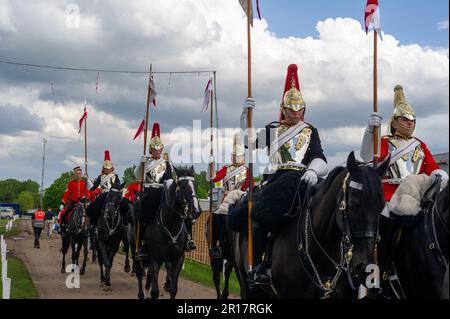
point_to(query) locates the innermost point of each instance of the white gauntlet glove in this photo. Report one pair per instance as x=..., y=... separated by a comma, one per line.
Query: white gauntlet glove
x=249, y=103
x=444, y=177
x=374, y=121
x=310, y=177
x=61, y=207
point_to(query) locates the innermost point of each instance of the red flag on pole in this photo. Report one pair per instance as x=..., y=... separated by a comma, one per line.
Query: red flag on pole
x=140, y=130
x=372, y=17
x=208, y=90
x=82, y=118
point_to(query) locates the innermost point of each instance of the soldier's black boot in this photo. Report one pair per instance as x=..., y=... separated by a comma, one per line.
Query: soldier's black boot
x=190, y=245
x=389, y=232
x=259, y=276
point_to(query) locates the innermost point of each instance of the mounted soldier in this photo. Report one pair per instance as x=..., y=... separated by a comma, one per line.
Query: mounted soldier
x=75, y=191
x=296, y=158
x=408, y=156
x=234, y=178
x=158, y=173
x=101, y=187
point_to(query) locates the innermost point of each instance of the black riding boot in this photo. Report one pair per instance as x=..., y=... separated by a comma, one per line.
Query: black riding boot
x=259, y=275
x=190, y=245
x=141, y=253
x=215, y=251
x=389, y=232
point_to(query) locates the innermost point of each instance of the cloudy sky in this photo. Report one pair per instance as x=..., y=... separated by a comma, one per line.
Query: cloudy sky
x=326, y=39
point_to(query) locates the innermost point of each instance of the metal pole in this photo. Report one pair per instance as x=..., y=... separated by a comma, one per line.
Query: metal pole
x=42, y=179
x=217, y=117
x=375, y=97
x=250, y=141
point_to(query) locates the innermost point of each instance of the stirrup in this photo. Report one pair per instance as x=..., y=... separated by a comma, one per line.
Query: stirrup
x=190, y=245
x=141, y=254
x=215, y=252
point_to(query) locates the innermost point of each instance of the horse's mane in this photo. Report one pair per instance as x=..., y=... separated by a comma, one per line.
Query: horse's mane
x=183, y=171
x=331, y=177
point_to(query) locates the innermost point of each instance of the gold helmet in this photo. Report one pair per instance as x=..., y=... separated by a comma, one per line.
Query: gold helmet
x=107, y=161
x=155, y=141
x=292, y=97
x=401, y=109
x=238, y=149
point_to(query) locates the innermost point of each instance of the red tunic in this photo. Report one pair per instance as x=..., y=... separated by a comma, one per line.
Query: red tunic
x=223, y=172
x=131, y=191
x=428, y=166
x=75, y=191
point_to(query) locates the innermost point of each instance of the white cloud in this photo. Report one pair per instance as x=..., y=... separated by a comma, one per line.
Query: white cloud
x=335, y=75
x=443, y=25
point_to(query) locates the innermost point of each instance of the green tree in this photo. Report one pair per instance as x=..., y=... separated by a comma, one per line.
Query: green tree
x=54, y=193
x=202, y=185
x=11, y=188
x=26, y=200
x=128, y=176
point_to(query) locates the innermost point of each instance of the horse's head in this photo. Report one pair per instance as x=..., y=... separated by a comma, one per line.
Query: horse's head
x=360, y=202
x=113, y=200
x=186, y=191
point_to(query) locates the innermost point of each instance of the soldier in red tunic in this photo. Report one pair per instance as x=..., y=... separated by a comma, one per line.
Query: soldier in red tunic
x=234, y=177
x=409, y=155
x=76, y=189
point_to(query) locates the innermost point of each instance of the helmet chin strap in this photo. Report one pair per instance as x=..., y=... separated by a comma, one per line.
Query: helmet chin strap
x=402, y=130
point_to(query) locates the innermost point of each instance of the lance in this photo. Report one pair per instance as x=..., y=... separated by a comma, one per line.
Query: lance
x=211, y=168
x=375, y=96
x=250, y=139
x=149, y=93
x=85, y=159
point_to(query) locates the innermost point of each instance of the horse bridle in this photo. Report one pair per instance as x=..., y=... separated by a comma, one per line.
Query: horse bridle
x=183, y=215
x=346, y=245
x=106, y=216
x=430, y=226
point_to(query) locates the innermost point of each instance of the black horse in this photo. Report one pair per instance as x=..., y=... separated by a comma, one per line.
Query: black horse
x=74, y=236
x=327, y=240
x=109, y=231
x=225, y=263
x=126, y=209
x=420, y=255
x=165, y=238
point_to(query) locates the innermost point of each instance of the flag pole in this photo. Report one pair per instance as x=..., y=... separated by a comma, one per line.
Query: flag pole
x=85, y=159
x=138, y=228
x=211, y=183
x=250, y=139
x=375, y=96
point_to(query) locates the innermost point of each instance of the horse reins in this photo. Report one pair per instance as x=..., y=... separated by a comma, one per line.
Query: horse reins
x=112, y=229
x=346, y=245
x=183, y=215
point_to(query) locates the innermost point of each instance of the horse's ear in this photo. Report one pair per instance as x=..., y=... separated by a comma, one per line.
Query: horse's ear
x=176, y=170
x=382, y=169
x=352, y=164
x=192, y=170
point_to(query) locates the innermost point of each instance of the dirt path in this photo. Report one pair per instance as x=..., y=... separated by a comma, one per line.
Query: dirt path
x=44, y=267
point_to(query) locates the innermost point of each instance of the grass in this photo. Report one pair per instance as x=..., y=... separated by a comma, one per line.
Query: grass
x=202, y=274
x=21, y=284
x=13, y=232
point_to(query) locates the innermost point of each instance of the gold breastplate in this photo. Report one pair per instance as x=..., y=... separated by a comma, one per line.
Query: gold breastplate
x=154, y=174
x=409, y=164
x=295, y=149
x=236, y=181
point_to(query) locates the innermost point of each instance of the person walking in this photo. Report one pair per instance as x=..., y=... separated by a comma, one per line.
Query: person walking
x=49, y=220
x=37, y=222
